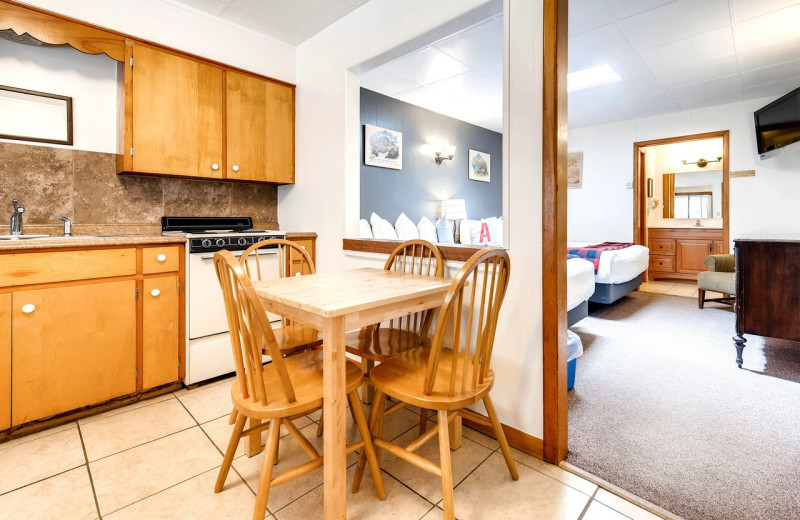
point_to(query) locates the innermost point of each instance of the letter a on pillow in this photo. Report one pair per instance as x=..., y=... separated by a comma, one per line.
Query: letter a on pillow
x=485, y=233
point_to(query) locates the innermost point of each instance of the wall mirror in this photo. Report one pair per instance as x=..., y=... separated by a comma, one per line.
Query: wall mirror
x=693, y=194
x=28, y=115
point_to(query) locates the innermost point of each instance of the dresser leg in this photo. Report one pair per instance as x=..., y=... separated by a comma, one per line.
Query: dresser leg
x=739, y=341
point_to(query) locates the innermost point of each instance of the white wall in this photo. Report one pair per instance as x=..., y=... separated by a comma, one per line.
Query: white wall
x=91, y=82
x=326, y=196
x=181, y=27
x=604, y=210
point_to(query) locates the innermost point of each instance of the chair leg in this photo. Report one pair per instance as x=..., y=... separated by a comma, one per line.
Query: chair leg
x=501, y=437
x=350, y=402
x=319, y=424
x=367, y=390
x=448, y=502
x=423, y=421
x=232, y=445
x=701, y=297
x=234, y=414
x=369, y=449
x=377, y=404
x=264, y=481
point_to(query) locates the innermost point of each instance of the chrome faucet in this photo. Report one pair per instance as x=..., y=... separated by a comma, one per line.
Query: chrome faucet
x=16, y=218
x=67, y=225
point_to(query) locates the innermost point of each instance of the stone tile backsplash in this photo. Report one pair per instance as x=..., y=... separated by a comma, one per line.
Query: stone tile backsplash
x=85, y=187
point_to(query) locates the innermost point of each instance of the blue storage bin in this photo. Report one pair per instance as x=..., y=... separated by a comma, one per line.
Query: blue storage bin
x=574, y=351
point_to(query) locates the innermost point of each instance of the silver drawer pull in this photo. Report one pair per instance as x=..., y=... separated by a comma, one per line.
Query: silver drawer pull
x=28, y=308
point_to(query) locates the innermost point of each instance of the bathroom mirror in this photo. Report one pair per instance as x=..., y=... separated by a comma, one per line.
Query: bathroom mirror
x=28, y=115
x=694, y=195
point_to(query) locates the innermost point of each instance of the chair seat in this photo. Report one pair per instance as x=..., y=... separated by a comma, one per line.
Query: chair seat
x=384, y=345
x=296, y=338
x=403, y=378
x=306, y=374
x=721, y=282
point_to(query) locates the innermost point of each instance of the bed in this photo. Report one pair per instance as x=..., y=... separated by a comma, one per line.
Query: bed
x=580, y=286
x=618, y=272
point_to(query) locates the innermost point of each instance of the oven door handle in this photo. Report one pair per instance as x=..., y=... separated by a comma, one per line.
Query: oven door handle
x=238, y=254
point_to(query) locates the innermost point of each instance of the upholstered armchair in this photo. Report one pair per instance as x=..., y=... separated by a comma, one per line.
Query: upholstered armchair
x=720, y=277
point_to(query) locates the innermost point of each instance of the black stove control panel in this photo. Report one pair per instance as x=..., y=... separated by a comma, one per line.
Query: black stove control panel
x=234, y=242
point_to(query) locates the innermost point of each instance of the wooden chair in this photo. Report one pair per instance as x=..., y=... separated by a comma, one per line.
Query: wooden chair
x=376, y=343
x=283, y=389
x=448, y=378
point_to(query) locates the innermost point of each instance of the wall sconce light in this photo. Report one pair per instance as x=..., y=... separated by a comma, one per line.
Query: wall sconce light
x=444, y=152
x=702, y=163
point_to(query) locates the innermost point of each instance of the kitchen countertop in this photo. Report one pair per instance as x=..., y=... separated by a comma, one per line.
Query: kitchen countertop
x=76, y=241
x=300, y=234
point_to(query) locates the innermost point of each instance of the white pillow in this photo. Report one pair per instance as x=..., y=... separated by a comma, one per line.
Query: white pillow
x=381, y=228
x=465, y=231
x=426, y=230
x=486, y=232
x=364, y=231
x=406, y=230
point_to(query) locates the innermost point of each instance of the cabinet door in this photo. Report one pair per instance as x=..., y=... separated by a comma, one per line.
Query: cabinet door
x=690, y=255
x=5, y=361
x=160, y=331
x=72, y=346
x=178, y=112
x=296, y=265
x=719, y=247
x=260, y=129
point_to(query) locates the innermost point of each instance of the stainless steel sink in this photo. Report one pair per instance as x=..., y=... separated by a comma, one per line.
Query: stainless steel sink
x=22, y=237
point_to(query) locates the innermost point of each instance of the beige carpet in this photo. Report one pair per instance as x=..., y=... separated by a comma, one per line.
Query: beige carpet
x=660, y=409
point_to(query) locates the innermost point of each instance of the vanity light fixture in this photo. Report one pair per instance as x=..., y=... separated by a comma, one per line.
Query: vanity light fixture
x=702, y=163
x=444, y=152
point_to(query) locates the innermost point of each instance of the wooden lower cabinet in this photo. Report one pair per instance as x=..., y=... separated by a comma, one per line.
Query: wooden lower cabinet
x=73, y=346
x=5, y=361
x=160, y=328
x=679, y=253
x=296, y=265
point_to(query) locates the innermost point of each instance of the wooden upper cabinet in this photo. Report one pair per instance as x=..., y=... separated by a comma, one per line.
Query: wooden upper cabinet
x=260, y=129
x=177, y=114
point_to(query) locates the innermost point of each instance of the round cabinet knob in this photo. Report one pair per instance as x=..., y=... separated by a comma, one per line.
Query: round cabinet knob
x=215, y=166
x=155, y=292
x=28, y=308
x=235, y=167
x=162, y=257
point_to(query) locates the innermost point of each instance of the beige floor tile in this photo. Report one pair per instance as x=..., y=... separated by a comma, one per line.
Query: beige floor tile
x=623, y=506
x=219, y=430
x=480, y=438
x=682, y=289
x=598, y=511
x=27, y=462
x=658, y=287
x=290, y=455
x=126, y=430
x=67, y=495
x=194, y=499
x=201, y=386
x=209, y=402
x=551, y=470
x=400, y=502
x=434, y=514
x=131, y=475
x=535, y=495
x=464, y=460
x=128, y=408
x=33, y=436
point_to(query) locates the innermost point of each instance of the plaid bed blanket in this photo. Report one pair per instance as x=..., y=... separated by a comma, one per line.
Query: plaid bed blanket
x=592, y=253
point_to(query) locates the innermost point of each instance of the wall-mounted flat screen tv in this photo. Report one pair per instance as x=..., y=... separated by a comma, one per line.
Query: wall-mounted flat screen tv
x=778, y=124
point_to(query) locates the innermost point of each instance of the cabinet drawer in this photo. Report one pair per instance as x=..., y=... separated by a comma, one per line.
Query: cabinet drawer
x=663, y=264
x=662, y=246
x=61, y=266
x=160, y=259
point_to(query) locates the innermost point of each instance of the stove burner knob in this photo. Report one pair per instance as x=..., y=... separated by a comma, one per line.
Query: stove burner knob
x=220, y=242
x=206, y=242
x=242, y=241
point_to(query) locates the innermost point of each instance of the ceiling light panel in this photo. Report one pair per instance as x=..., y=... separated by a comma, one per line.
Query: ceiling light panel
x=674, y=21
x=427, y=66
x=591, y=77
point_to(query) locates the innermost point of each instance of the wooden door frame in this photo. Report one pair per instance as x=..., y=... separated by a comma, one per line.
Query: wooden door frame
x=639, y=195
x=554, y=231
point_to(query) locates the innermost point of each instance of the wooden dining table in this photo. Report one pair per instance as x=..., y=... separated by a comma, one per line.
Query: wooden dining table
x=336, y=302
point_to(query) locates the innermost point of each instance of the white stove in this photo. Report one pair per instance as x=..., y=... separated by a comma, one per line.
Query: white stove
x=208, y=345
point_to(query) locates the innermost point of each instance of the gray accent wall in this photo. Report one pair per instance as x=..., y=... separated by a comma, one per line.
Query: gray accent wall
x=421, y=185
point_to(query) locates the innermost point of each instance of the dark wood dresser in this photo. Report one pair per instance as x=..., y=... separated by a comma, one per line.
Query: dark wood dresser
x=767, y=289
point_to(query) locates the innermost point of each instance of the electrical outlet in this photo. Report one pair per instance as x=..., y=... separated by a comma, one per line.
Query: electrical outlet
x=629, y=185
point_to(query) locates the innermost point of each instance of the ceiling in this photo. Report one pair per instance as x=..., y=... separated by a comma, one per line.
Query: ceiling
x=672, y=55
x=291, y=21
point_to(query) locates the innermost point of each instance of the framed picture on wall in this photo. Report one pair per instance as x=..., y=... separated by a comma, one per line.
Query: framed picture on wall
x=480, y=166
x=383, y=147
x=574, y=169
